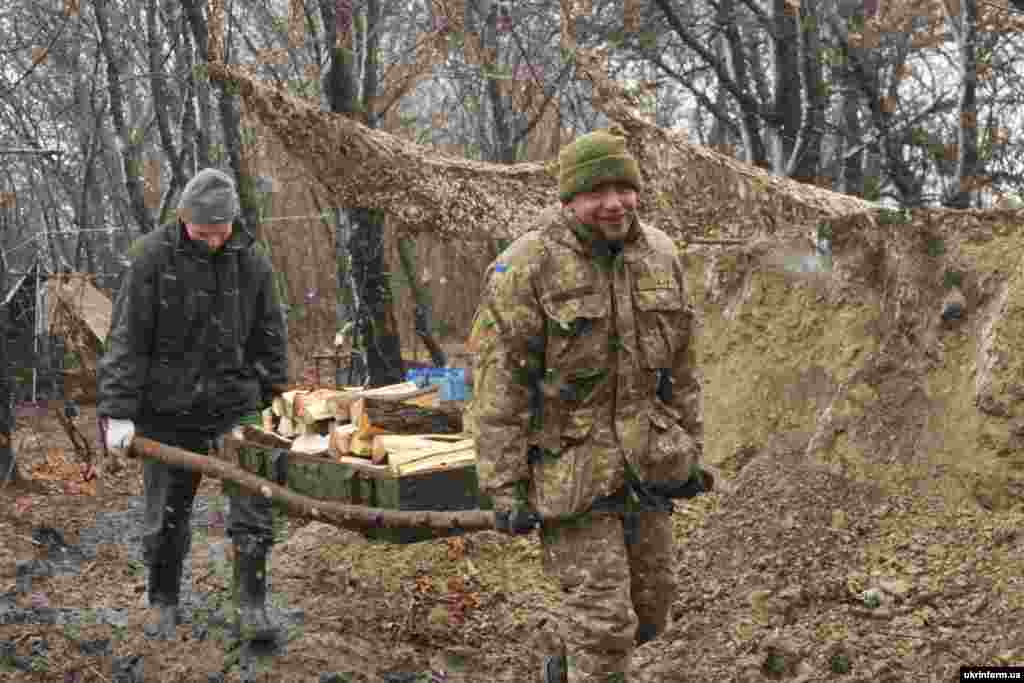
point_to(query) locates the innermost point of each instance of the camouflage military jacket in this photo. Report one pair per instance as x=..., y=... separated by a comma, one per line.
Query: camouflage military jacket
x=569, y=348
x=196, y=338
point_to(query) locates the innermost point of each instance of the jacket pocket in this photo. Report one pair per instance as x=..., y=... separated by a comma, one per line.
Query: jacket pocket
x=171, y=385
x=672, y=454
x=576, y=329
x=562, y=476
x=659, y=314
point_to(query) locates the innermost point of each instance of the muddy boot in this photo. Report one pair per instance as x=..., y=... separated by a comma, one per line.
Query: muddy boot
x=253, y=622
x=161, y=622
x=554, y=670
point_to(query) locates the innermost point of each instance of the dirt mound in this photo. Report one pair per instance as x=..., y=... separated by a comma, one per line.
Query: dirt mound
x=801, y=573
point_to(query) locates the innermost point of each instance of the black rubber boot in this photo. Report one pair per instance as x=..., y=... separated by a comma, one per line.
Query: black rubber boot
x=555, y=670
x=162, y=593
x=253, y=622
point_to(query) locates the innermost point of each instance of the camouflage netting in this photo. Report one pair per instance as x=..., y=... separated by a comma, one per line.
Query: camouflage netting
x=690, y=191
x=826, y=321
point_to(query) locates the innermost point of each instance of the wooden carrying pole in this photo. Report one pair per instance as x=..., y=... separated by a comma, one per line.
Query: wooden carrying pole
x=354, y=517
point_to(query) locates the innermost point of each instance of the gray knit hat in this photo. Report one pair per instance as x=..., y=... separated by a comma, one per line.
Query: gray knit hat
x=209, y=197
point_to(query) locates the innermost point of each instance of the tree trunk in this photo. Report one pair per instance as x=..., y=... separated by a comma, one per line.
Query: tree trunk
x=786, y=110
x=805, y=161
x=162, y=99
x=355, y=517
x=129, y=140
x=735, y=66
x=421, y=297
x=967, y=166
x=361, y=264
x=200, y=77
x=8, y=461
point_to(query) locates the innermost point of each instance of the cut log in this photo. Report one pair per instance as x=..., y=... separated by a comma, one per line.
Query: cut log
x=403, y=416
x=324, y=404
x=286, y=427
x=284, y=404
x=355, y=517
x=311, y=444
x=362, y=441
x=340, y=443
x=427, y=397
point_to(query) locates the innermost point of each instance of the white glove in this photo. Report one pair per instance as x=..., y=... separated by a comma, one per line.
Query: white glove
x=118, y=433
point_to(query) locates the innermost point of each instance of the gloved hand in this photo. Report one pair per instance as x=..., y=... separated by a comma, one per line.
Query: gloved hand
x=700, y=481
x=513, y=515
x=117, y=434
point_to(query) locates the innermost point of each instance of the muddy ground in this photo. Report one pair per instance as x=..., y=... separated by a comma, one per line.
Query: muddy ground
x=470, y=608
x=792, y=571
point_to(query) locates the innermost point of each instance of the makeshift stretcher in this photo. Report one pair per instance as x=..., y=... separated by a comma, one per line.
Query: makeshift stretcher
x=351, y=495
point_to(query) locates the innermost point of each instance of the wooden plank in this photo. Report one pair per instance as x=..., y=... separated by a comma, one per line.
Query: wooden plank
x=393, y=389
x=398, y=459
x=384, y=444
x=437, y=464
x=363, y=465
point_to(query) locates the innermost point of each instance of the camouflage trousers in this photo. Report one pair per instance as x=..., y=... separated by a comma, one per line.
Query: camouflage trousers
x=614, y=595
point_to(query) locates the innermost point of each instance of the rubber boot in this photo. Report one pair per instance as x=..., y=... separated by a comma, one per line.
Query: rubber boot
x=254, y=624
x=163, y=617
x=554, y=670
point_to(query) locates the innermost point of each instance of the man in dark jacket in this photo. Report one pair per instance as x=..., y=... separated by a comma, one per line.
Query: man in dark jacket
x=197, y=339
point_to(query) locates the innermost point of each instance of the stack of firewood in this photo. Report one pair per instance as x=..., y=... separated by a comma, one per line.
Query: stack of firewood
x=399, y=429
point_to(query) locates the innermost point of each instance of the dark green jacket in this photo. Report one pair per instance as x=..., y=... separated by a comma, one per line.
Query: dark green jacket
x=196, y=340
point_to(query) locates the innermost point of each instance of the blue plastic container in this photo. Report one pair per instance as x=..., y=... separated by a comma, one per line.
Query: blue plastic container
x=452, y=381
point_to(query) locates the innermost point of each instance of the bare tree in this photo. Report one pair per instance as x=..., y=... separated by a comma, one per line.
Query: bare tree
x=965, y=31
x=360, y=231
x=8, y=462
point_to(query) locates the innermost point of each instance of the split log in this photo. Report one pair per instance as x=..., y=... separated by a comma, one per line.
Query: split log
x=340, y=442
x=456, y=454
x=311, y=444
x=354, y=517
x=323, y=404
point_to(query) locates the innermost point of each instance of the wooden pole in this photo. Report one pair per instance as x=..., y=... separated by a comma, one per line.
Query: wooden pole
x=354, y=517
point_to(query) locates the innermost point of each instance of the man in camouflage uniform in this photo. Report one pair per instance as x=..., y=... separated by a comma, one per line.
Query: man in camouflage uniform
x=197, y=339
x=586, y=406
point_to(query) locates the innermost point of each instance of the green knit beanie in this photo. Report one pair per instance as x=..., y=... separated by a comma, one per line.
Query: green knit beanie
x=596, y=158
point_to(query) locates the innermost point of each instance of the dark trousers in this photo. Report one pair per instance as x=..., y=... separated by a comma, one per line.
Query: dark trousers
x=169, y=495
